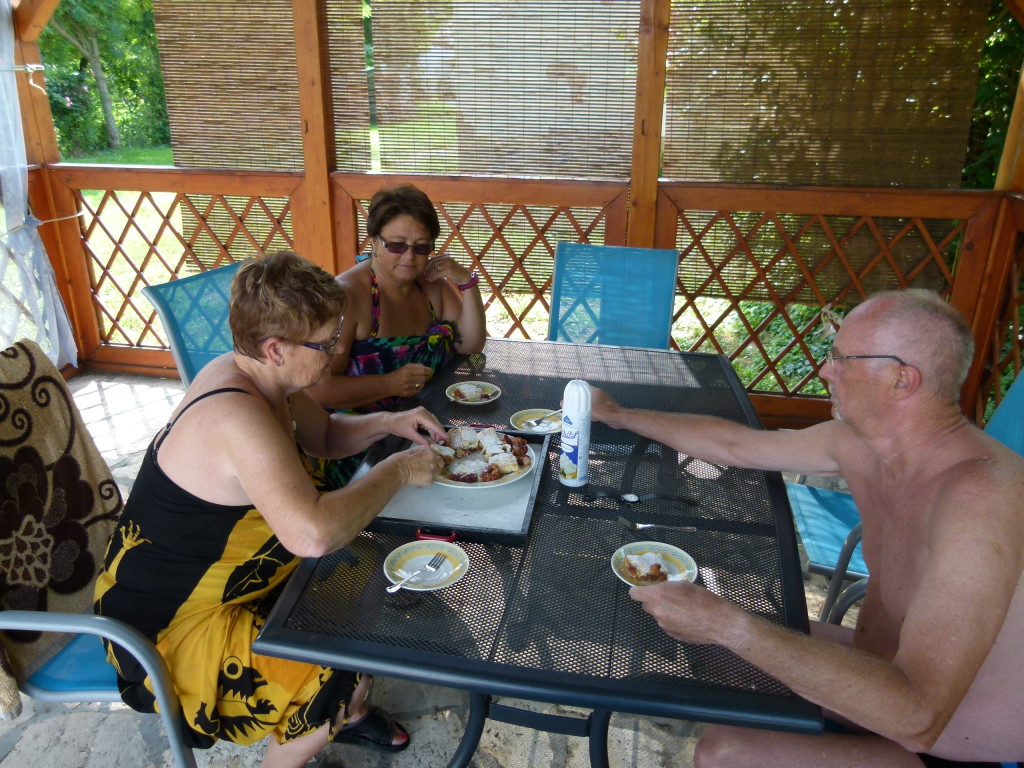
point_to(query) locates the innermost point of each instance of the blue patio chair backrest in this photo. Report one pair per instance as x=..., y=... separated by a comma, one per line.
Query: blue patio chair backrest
x=604, y=294
x=826, y=518
x=194, y=313
x=1007, y=423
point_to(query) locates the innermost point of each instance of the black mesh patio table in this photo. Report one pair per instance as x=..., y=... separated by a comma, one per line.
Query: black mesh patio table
x=551, y=621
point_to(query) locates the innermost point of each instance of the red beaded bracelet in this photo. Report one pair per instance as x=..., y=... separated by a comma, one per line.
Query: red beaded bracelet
x=474, y=278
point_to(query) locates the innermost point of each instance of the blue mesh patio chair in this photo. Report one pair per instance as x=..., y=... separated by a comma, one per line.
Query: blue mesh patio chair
x=603, y=294
x=829, y=524
x=194, y=313
x=61, y=503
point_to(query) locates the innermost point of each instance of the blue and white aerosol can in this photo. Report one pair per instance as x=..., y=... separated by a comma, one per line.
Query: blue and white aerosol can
x=572, y=464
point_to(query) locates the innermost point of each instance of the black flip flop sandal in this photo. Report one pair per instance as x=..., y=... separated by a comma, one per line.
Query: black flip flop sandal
x=372, y=730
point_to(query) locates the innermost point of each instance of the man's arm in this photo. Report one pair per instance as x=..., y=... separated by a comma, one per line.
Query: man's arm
x=810, y=451
x=948, y=631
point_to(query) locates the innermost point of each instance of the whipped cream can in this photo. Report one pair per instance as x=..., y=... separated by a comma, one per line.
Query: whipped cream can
x=572, y=464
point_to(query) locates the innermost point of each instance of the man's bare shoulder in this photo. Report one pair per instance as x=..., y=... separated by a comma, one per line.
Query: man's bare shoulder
x=985, y=465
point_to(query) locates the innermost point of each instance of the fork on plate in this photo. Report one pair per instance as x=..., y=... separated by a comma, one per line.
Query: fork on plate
x=431, y=566
x=534, y=423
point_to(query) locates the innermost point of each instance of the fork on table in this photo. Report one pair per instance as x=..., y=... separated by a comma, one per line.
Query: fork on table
x=644, y=526
x=431, y=566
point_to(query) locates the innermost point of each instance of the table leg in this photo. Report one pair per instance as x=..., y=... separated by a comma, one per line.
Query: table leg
x=478, y=705
x=599, y=738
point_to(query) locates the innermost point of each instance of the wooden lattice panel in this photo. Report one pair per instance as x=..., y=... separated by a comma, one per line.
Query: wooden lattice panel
x=752, y=284
x=513, y=248
x=134, y=239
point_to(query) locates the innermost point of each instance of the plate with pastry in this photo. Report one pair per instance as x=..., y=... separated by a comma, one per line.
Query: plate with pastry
x=473, y=392
x=643, y=563
x=483, y=458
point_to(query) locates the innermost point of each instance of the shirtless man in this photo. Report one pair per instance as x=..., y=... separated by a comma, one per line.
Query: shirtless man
x=935, y=662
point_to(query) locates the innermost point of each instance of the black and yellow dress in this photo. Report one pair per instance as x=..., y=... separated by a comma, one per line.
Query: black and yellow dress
x=198, y=579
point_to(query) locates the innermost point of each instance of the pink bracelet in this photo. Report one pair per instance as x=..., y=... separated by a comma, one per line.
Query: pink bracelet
x=474, y=278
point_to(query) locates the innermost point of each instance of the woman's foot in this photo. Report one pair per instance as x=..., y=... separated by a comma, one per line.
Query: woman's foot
x=375, y=729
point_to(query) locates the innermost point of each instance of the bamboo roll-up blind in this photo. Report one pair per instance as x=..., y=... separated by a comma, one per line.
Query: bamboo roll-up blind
x=501, y=87
x=845, y=93
x=867, y=93
x=230, y=83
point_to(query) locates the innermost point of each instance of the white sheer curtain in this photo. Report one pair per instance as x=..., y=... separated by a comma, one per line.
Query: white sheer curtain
x=30, y=306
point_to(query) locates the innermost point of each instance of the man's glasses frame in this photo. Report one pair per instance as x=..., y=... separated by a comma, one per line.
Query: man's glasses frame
x=831, y=359
x=833, y=321
x=420, y=249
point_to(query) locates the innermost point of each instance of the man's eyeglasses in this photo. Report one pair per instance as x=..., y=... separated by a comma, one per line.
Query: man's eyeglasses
x=831, y=359
x=325, y=346
x=420, y=249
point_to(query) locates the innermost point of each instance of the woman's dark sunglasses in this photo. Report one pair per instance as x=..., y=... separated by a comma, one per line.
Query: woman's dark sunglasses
x=420, y=249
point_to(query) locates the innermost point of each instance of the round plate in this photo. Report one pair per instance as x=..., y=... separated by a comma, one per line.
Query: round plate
x=680, y=566
x=519, y=474
x=553, y=424
x=493, y=393
x=411, y=557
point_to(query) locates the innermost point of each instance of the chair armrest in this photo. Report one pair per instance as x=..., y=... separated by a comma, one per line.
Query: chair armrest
x=116, y=631
x=849, y=596
x=835, y=584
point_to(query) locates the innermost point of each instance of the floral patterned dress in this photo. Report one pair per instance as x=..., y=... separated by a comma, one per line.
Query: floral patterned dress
x=198, y=579
x=379, y=355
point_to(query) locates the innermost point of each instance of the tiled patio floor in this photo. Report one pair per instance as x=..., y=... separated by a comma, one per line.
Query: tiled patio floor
x=123, y=413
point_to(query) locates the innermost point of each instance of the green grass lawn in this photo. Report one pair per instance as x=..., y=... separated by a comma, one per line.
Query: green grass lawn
x=129, y=156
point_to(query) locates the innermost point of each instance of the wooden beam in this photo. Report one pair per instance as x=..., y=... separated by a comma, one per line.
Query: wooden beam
x=193, y=181
x=312, y=211
x=647, y=118
x=1016, y=7
x=31, y=17
x=1010, y=176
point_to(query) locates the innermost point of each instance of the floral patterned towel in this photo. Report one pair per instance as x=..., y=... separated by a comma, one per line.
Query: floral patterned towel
x=58, y=504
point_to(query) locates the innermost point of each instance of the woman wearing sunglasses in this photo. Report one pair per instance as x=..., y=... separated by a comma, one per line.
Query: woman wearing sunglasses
x=410, y=311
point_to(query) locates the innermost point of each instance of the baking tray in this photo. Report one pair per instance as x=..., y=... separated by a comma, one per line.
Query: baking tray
x=500, y=514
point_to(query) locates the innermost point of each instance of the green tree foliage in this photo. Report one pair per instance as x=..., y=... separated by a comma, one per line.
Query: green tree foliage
x=103, y=75
x=999, y=73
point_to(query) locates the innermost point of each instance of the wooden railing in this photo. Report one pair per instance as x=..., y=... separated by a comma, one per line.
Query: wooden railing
x=757, y=264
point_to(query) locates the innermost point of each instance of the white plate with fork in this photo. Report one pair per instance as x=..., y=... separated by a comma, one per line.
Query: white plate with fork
x=415, y=555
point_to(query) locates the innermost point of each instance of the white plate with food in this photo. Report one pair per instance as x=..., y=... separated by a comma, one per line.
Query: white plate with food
x=552, y=423
x=473, y=392
x=643, y=563
x=414, y=556
x=483, y=458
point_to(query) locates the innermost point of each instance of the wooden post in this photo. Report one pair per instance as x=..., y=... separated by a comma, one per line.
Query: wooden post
x=1010, y=176
x=979, y=290
x=48, y=200
x=312, y=209
x=31, y=17
x=647, y=118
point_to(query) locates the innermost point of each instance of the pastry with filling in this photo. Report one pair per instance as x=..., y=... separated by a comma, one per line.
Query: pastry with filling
x=481, y=456
x=447, y=454
x=463, y=441
x=648, y=568
x=470, y=393
x=492, y=443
